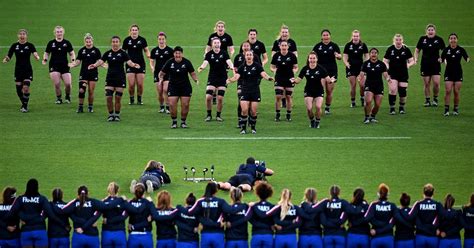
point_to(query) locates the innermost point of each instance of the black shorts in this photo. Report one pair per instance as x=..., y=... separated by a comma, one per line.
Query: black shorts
x=142, y=69
x=180, y=90
x=377, y=90
x=332, y=70
x=239, y=85
x=399, y=76
x=284, y=83
x=21, y=76
x=314, y=93
x=63, y=69
x=354, y=71
x=217, y=83
x=92, y=76
x=250, y=96
x=156, y=79
x=454, y=76
x=116, y=83
x=430, y=68
x=239, y=179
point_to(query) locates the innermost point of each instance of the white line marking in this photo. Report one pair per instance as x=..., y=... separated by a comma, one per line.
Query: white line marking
x=202, y=47
x=287, y=138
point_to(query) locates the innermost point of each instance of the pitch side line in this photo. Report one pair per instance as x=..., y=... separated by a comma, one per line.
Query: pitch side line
x=202, y=47
x=287, y=138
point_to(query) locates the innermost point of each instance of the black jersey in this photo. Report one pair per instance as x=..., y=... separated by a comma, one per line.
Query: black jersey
x=187, y=225
x=114, y=216
x=8, y=221
x=405, y=230
x=58, y=51
x=226, y=40
x=313, y=77
x=210, y=212
x=381, y=215
x=261, y=222
x=453, y=58
x=427, y=213
x=115, y=60
x=165, y=228
x=22, y=53
x=239, y=60
x=239, y=223
x=55, y=229
x=374, y=71
x=290, y=223
x=250, y=78
x=258, y=49
x=178, y=72
x=326, y=52
x=88, y=56
x=398, y=59
x=134, y=48
x=311, y=225
x=218, y=65
x=451, y=224
x=161, y=56
x=291, y=45
x=355, y=53
x=358, y=224
x=284, y=65
x=467, y=220
x=430, y=47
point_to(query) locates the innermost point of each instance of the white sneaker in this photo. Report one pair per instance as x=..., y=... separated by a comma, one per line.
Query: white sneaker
x=446, y=113
x=132, y=186
x=149, y=187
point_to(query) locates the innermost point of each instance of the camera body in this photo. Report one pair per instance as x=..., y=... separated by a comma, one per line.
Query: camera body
x=259, y=175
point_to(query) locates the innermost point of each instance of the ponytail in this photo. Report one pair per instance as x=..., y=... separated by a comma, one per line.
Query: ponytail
x=449, y=201
x=236, y=195
x=112, y=189
x=285, y=203
x=310, y=195
x=57, y=195
x=383, y=192
x=82, y=193
x=139, y=191
x=358, y=196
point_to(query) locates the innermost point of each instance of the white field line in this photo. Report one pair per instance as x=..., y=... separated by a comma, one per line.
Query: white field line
x=288, y=138
x=202, y=47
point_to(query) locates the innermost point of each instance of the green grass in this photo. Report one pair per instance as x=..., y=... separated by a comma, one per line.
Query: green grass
x=65, y=149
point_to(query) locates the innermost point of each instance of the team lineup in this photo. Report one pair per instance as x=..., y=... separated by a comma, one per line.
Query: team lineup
x=209, y=221
x=171, y=71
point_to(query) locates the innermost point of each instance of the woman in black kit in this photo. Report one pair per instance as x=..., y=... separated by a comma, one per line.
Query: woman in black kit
x=430, y=68
x=398, y=59
x=88, y=55
x=250, y=72
x=134, y=45
x=218, y=61
x=226, y=40
x=453, y=77
x=23, y=70
x=179, y=87
x=371, y=77
x=59, y=48
x=238, y=61
x=115, y=81
x=316, y=78
x=328, y=52
x=355, y=53
x=158, y=57
x=284, y=64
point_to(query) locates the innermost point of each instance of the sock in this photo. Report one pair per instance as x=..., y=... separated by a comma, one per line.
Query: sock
x=209, y=112
x=81, y=104
x=218, y=114
x=318, y=120
x=183, y=120
x=68, y=97
x=19, y=92
x=402, y=106
x=427, y=99
x=239, y=111
x=328, y=106
x=435, y=98
x=446, y=108
x=455, y=108
x=59, y=97
x=91, y=105
x=288, y=112
x=139, y=98
x=162, y=106
x=253, y=121
x=243, y=122
x=366, y=116
x=353, y=99
x=111, y=112
x=167, y=107
x=372, y=116
x=117, y=112
x=132, y=99
x=391, y=100
x=26, y=99
x=174, y=121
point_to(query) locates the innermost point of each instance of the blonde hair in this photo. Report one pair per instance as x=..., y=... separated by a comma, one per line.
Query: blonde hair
x=217, y=23
x=112, y=189
x=285, y=203
x=22, y=30
x=134, y=26
x=355, y=31
x=59, y=27
x=398, y=36
x=88, y=36
x=163, y=200
x=430, y=25
x=283, y=26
